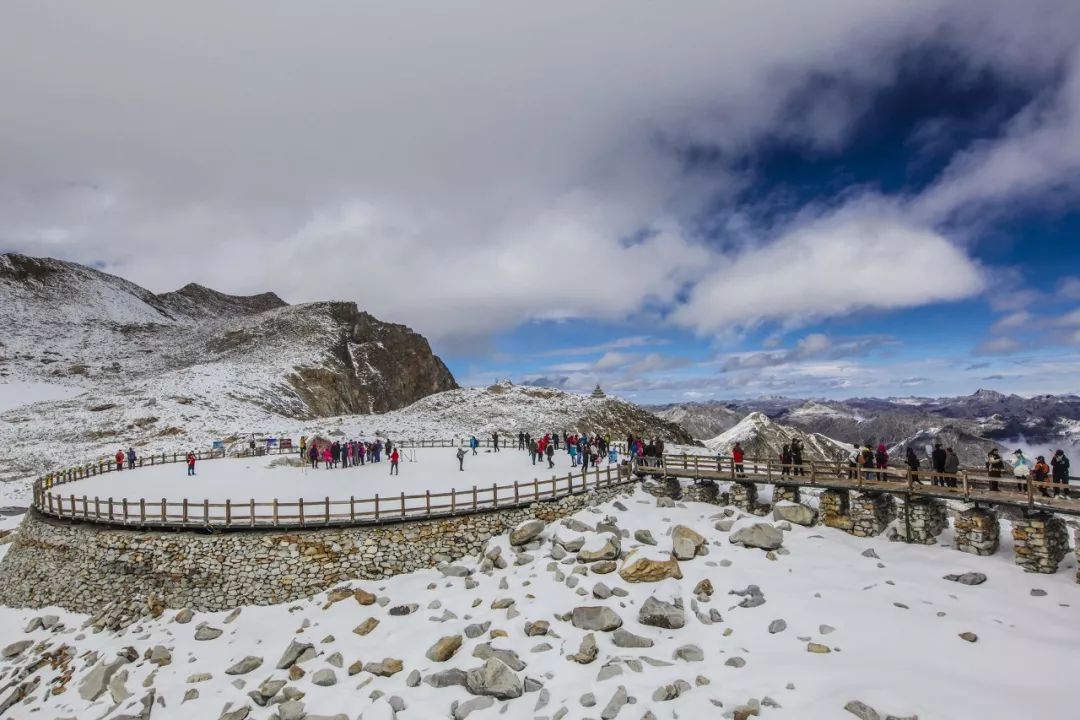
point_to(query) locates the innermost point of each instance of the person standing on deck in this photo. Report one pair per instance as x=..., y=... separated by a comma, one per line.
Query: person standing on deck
x=995, y=466
x=131, y=458
x=473, y=443
x=796, y=456
x=952, y=466
x=394, y=458
x=521, y=441
x=1040, y=474
x=550, y=452
x=785, y=460
x=313, y=456
x=881, y=460
x=191, y=463
x=737, y=459
x=912, y=462
x=303, y=446
x=937, y=461
x=1021, y=470
x=1060, y=465
x=461, y=459
x=495, y=441
x=119, y=460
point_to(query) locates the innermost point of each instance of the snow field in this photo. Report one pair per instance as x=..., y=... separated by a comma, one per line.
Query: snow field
x=901, y=659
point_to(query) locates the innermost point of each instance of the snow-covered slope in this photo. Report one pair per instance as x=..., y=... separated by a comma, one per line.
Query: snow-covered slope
x=702, y=420
x=763, y=438
x=824, y=625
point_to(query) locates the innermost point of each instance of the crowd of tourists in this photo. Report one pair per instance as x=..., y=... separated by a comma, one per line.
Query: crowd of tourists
x=349, y=453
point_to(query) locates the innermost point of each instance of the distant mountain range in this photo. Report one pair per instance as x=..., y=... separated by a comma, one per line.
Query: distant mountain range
x=971, y=424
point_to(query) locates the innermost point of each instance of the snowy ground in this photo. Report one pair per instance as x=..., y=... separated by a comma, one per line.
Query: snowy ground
x=15, y=393
x=284, y=477
x=895, y=643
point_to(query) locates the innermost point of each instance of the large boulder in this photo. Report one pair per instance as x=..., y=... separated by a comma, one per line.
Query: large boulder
x=758, y=535
x=641, y=566
x=686, y=543
x=796, y=513
x=493, y=679
x=597, y=617
x=659, y=613
x=527, y=531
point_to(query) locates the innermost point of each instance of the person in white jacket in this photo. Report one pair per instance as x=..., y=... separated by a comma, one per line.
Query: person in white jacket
x=1021, y=470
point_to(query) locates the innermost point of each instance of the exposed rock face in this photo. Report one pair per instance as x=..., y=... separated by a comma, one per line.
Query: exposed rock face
x=640, y=568
x=371, y=366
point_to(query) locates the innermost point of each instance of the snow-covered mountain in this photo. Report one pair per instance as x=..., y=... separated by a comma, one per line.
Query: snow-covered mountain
x=761, y=437
x=970, y=423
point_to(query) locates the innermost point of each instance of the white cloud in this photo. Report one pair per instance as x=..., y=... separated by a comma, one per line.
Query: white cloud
x=998, y=346
x=462, y=168
x=864, y=255
x=1013, y=321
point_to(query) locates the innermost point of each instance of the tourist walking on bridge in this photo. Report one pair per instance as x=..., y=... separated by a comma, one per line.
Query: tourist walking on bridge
x=797, y=457
x=1021, y=470
x=131, y=458
x=785, y=460
x=881, y=460
x=1040, y=474
x=737, y=459
x=1060, y=465
x=521, y=441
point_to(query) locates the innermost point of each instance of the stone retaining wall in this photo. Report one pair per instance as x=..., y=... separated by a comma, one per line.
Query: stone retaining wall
x=82, y=567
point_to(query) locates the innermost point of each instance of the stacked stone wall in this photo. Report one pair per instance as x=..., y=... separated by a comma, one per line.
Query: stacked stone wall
x=706, y=491
x=870, y=513
x=1041, y=542
x=82, y=567
x=668, y=488
x=744, y=496
x=977, y=531
x=786, y=493
x=921, y=520
x=835, y=509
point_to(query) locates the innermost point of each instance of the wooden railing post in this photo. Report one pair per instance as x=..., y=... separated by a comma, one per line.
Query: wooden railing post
x=427, y=501
x=326, y=500
x=228, y=512
x=125, y=508
x=453, y=501
x=517, y=492
x=402, y=504
x=185, y=511
x=142, y=510
x=251, y=512
x=376, y=507
x=352, y=509
x=206, y=511
x=301, y=511
x=494, y=495
x=474, y=498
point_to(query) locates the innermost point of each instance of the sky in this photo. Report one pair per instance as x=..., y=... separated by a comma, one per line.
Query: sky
x=679, y=201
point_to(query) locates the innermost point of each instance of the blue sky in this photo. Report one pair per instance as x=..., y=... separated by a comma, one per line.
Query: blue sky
x=689, y=202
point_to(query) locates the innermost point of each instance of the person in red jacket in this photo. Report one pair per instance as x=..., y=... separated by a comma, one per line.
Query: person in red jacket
x=191, y=463
x=119, y=460
x=394, y=457
x=737, y=458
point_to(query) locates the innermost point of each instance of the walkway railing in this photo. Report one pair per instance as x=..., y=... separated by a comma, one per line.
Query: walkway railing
x=971, y=484
x=50, y=499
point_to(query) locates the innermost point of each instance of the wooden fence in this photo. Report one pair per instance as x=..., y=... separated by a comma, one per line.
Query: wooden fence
x=51, y=500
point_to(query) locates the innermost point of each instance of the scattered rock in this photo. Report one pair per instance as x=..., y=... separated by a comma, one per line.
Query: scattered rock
x=292, y=654
x=463, y=710
x=444, y=648
x=527, y=531
x=818, y=648
x=659, y=613
x=968, y=578
x=366, y=627
x=870, y=553
x=969, y=636
x=777, y=626
x=644, y=537
x=689, y=653
x=797, y=513
x=205, y=632
x=862, y=711
x=758, y=535
x=599, y=617
x=386, y=668
x=638, y=568
x=15, y=649
x=245, y=666
x=626, y=639
x=324, y=677
x=686, y=544
x=587, y=651
x=494, y=679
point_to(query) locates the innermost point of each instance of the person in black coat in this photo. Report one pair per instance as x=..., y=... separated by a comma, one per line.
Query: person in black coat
x=1059, y=464
x=937, y=460
x=912, y=462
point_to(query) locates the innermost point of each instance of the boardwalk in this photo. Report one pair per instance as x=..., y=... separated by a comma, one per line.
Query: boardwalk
x=969, y=485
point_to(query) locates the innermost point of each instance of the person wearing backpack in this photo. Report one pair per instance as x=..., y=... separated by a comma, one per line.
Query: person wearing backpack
x=912, y=462
x=461, y=459
x=550, y=452
x=785, y=460
x=881, y=460
x=1040, y=474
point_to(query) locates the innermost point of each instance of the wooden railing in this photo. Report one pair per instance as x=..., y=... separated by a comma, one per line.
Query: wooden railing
x=305, y=512
x=966, y=483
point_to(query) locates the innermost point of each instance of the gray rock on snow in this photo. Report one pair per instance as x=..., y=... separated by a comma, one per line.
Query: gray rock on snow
x=494, y=678
x=758, y=535
x=599, y=617
x=659, y=613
